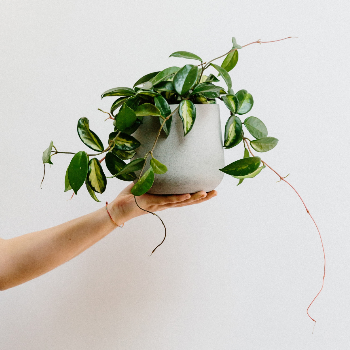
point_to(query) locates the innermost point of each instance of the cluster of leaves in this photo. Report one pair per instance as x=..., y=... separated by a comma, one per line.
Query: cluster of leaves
x=152, y=95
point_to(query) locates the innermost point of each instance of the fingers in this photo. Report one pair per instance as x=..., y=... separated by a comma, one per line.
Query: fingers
x=196, y=198
x=210, y=195
x=163, y=200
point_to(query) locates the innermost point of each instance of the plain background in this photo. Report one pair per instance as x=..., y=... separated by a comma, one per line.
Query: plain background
x=237, y=272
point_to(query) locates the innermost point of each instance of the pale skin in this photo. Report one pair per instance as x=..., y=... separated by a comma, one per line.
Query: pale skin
x=31, y=255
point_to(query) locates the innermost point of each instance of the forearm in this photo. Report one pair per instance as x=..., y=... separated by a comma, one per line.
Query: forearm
x=26, y=257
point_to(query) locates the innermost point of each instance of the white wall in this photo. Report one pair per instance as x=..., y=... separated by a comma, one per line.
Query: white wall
x=237, y=272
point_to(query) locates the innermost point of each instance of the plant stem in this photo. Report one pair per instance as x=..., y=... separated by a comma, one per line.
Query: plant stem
x=159, y=219
x=110, y=116
x=56, y=152
x=254, y=42
x=155, y=141
x=200, y=77
x=90, y=155
x=94, y=154
x=41, y=183
x=307, y=210
x=160, y=129
x=146, y=156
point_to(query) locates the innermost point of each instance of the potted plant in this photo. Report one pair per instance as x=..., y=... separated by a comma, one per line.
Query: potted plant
x=166, y=134
x=160, y=115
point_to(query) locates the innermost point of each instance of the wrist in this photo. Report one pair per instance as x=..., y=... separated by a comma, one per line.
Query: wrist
x=115, y=213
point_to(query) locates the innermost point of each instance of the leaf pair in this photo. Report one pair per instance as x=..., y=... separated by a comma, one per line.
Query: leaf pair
x=81, y=170
x=146, y=181
x=240, y=103
x=129, y=119
x=115, y=165
x=258, y=130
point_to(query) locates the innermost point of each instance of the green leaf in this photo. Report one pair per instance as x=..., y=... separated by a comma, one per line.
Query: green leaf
x=203, y=77
x=185, y=54
x=246, y=155
x=206, y=87
x=242, y=167
x=117, y=103
x=231, y=102
x=200, y=99
x=158, y=167
x=224, y=74
x=47, y=154
x=132, y=102
x=251, y=175
x=256, y=127
x=164, y=108
x=119, y=91
x=234, y=44
x=187, y=112
x=164, y=86
x=144, y=184
x=114, y=165
x=199, y=75
x=67, y=185
x=91, y=191
x=210, y=94
x=125, y=118
x=124, y=141
x=123, y=154
x=233, y=132
x=264, y=144
x=230, y=61
x=134, y=165
x=147, y=109
x=130, y=130
x=96, y=177
x=245, y=101
x=240, y=181
x=146, y=78
x=185, y=79
x=146, y=93
x=164, y=75
x=211, y=78
x=87, y=136
x=77, y=170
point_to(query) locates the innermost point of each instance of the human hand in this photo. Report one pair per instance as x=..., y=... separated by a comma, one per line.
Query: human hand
x=124, y=208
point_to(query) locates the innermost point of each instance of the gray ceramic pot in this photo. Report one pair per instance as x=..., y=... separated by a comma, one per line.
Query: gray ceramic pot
x=194, y=160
